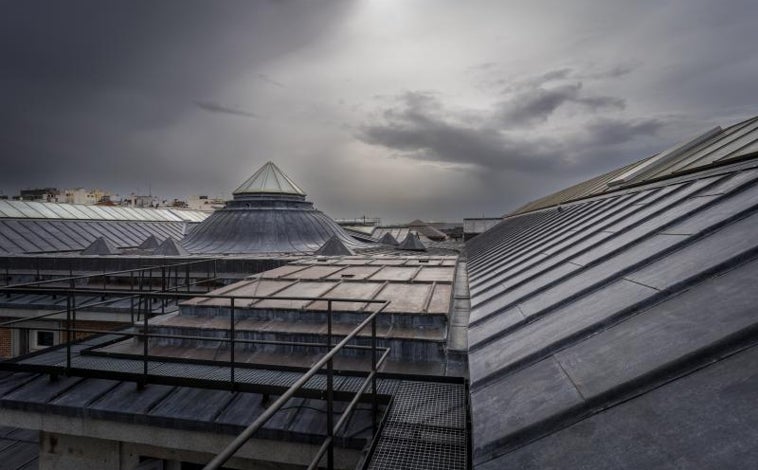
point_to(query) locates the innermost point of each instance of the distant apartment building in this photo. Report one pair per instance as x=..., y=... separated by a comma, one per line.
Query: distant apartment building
x=85, y=196
x=204, y=203
x=40, y=194
x=134, y=200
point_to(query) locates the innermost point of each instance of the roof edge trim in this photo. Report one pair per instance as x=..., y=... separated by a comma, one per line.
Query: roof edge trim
x=664, y=157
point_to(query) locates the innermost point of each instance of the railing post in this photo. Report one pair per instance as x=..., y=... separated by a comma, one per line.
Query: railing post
x=140, y=285
x=231, y=337
x=374, y=406
x=73, y=319
x=131, y=297
x=176, y=285
x=329, y=393
x=68, y=333
x=144, y=340
x=163, y=289
x=186, y=277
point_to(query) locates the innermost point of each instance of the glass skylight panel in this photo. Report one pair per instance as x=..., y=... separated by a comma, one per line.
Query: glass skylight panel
x=151, y=214
x=197, y=216
x=168, y=215
x=85, y=211
x=115, y=212
x=132, y=214
x=43, y=208
x=78, y=211
x=28, y=211
x=101, y=214
x=61, y=212
x=10, y=210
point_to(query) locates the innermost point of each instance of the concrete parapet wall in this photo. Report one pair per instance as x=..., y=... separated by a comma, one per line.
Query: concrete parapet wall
x=404, y=320
x=410, y=349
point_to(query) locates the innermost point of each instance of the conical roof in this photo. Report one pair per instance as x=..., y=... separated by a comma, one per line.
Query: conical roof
x=269, y=179
x=388, y=239
x=150, y=243
x=411, y=242
x=170, y=247
x=333, y=247
x=100, y=246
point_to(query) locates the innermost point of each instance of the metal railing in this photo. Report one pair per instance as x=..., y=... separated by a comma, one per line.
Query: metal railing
x=144, y=310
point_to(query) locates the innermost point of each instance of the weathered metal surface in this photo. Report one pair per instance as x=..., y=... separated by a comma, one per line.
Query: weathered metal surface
x=580, y=310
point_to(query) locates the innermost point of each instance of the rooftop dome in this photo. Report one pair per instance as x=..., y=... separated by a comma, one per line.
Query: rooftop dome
x=268, y=214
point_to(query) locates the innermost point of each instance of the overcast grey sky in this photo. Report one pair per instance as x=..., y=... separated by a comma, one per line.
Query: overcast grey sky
x=438, y=109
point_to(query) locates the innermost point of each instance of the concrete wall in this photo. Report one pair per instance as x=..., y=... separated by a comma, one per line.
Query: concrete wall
x=76, y=264
x=67, y=452
x=83, y=443
x=6, y=340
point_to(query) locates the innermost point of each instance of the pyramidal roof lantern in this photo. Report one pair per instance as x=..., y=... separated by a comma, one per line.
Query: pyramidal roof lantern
x=170, y=247
x=333, y=247
x=411, y=243
x=101, y=247
x=388, y=239
x=150, y=243
x=269, y=179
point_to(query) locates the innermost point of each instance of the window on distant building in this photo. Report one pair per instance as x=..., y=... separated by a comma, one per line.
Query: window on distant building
x=40, y=339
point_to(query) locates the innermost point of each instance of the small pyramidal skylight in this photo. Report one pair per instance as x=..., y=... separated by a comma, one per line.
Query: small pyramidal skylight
x=269, y=179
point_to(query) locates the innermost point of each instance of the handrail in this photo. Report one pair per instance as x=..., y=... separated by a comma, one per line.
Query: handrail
x=248, y=432
x=167, y=291
x=113, y=273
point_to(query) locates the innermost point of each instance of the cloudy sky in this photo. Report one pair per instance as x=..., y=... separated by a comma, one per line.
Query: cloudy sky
x=438, y=109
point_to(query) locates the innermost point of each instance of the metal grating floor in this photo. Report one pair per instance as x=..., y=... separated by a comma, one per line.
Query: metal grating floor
x=56, y=358
x=425, y=429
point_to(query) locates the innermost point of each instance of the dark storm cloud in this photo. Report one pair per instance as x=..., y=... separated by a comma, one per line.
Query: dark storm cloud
x=87, y=86
x=421, y=127
x=103, y=93
x=218, y=108
x=607, y=132
x=537, y=104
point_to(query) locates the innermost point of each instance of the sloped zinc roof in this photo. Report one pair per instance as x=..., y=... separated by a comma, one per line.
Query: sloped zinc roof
x=61, y=211
x=712, y=148
x=269, y=179
x=619, y=330
x=49, y=236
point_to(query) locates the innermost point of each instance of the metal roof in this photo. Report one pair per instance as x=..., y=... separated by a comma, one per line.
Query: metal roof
x=274, y=228
x=100, y=246
x=51, y=210
x=19, y=448
x=414, y=285
x=49, y=236
x=333, y=247
x=713, y=148
x=612, y=331
x=178, y=407
x=269, y=179
x=411, y=242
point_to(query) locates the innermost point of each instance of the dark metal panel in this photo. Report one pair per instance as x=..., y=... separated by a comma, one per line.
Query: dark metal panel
x=705, y=420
